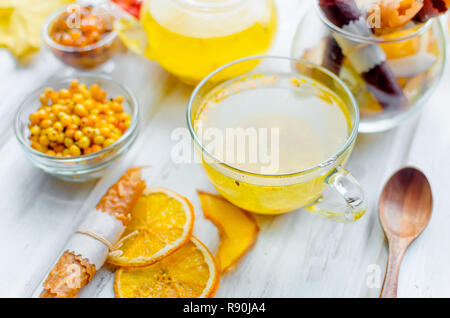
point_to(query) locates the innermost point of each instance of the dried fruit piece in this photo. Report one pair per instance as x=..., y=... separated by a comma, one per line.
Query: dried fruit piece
x=400, y=49
x=395, y=13
x=162, y=221
x=238, y=229
x=189, y=272
x=121, y=197
x=431, y=9
x=68, y=276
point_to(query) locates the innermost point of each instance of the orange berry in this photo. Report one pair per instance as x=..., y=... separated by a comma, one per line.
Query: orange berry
x=105, y=131
x=116, y=107
x=42, y=114
x=68, y=142
x=69, y=133
x=60, y=138
x=44, y=141
x=53, y=135
x=56, y=108
x=35, y=118
x=78, y=98
x=64, y=93
x=58, y=126
x=89, y=132
x=88, y=104
x=84, y=142
x=35, y=130
x=108, y=142
x=46, y=123
x=96, y=148
x=74, y=150
x=80, y=110
x=75, y=120
x=58, y=148
x=99, y=140
x=78, y=135
x=66, y=120
x=52, y=117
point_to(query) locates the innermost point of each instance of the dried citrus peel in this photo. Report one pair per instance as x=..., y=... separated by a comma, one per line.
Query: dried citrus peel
x=70, y=274
x=238, y=229
x=162, y=222
x=188, y=272
x=121, y=197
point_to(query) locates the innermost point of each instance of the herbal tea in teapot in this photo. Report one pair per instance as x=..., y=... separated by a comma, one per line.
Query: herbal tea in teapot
x=191, y=38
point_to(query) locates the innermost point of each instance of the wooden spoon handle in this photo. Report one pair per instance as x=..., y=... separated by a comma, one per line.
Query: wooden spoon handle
x=396, y=251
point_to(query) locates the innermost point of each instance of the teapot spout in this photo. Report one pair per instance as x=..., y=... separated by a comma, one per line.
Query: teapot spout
x=133, y=35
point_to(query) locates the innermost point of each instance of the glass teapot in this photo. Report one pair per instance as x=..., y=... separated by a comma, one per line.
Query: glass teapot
x=191, y=38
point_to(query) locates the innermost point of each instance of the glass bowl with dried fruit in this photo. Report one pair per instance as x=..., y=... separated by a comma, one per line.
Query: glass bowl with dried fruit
x=82, y=36
x=390, y=56
x=74, y=129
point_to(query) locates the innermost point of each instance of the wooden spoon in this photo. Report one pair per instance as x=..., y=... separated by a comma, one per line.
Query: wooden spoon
x=405, y=209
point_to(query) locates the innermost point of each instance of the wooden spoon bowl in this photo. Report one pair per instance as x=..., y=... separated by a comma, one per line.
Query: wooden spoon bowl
x=405, y=210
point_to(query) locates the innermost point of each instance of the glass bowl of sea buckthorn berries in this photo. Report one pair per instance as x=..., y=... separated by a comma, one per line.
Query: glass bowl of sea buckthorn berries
x=74, y=128
x=82, y=36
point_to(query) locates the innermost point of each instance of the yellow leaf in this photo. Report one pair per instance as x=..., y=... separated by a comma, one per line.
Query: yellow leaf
x=21, y=22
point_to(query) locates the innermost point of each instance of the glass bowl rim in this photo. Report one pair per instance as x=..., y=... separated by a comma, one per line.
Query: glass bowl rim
x=328, y=162
x=74, y=49
x=370, y=39
x=36, y=92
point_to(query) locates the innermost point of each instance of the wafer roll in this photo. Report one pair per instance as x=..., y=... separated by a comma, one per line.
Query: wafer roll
x=89, y=246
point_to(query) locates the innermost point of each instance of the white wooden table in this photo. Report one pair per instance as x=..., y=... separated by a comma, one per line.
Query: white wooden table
x=297, y=254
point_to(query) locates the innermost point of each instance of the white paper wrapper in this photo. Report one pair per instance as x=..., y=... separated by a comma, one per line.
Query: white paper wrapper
x=90, y=248
x=363, y=56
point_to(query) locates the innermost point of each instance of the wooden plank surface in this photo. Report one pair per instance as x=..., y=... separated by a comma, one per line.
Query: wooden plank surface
x=297, y=254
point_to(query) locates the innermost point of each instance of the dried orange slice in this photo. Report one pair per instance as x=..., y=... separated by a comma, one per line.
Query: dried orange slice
x=238, y=229
x=161, y=222
x=189, y=272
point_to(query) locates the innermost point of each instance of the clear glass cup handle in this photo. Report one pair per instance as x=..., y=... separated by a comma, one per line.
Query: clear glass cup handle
x=353, y=206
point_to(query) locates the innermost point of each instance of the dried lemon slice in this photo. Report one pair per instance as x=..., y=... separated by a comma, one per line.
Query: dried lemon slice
x=162, y=221
x=237, y=228
x=188, y=272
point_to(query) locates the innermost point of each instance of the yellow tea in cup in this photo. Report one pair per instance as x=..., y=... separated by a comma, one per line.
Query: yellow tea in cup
x=309, y=122
x=272, y=142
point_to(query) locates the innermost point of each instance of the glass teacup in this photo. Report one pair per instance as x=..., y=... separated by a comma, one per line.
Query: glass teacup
x=301, y=176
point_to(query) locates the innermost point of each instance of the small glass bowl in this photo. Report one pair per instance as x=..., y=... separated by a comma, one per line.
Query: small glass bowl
x=416, y=82
x=86, y=167
x=86, y=57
